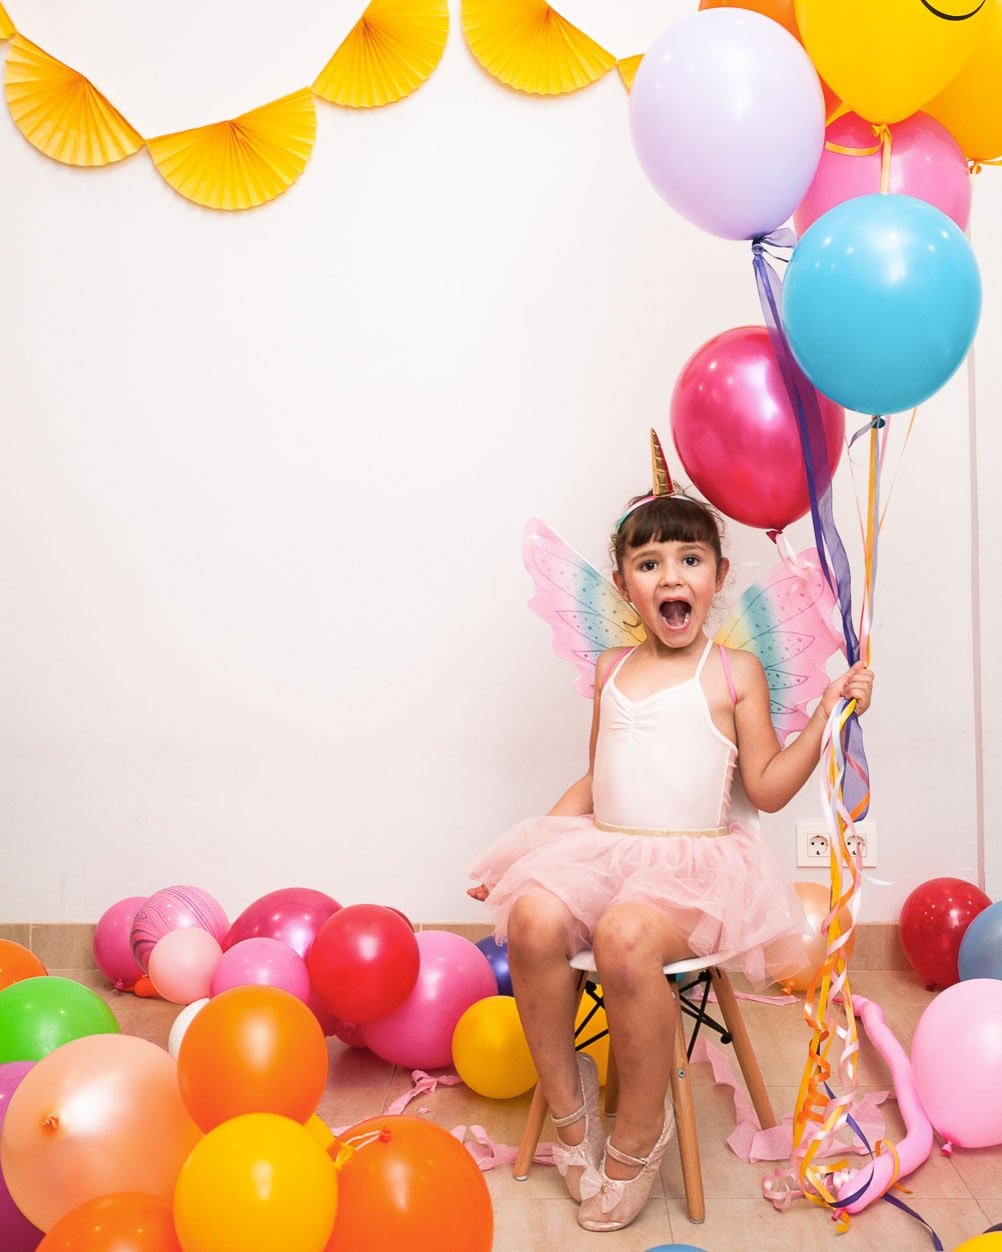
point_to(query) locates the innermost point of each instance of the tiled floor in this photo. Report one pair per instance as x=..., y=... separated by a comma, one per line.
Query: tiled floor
x=960, y=1196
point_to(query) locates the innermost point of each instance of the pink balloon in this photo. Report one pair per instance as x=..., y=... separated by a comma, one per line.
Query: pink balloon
x=736, y=434
x=113, y=943
x=171, y=909
x=291, y=914
x=957, y=1058
x=182, y=964
x=880, y=1174
x=453, y=974
x=17, y=1234
x=262, y=963
x=926, y=162
x=728, y=121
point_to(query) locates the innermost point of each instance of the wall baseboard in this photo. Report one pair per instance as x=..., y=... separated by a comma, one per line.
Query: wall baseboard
x=70, y=945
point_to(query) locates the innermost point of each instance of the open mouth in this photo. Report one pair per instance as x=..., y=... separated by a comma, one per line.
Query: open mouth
x=675, y=613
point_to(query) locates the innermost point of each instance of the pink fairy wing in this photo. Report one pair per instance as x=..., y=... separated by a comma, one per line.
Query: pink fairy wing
x=786, y=620
x=584, y=610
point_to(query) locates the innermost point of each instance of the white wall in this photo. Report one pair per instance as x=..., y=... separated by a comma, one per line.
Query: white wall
x=263, y=479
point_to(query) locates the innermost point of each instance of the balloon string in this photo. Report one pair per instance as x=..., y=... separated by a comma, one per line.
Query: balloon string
x=883, y=134
x=975, y=165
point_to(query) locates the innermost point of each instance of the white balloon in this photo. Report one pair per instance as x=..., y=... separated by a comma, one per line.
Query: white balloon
x=181, y=1024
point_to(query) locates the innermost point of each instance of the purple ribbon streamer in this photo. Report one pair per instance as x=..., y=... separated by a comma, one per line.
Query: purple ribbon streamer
x=831, y=551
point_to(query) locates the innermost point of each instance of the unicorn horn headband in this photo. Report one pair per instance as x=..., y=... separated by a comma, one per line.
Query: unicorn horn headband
x=660, y=478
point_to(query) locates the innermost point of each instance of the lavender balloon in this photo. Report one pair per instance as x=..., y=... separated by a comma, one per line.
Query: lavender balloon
x=292, y=915
x=17, y=1234
x=171, y=909
x=728, y=121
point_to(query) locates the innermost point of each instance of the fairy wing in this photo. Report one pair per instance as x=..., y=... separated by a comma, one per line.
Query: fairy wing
x=785, y=619
x=584, y=610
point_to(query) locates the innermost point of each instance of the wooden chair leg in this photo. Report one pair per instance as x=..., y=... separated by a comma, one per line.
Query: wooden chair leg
x=685, y=1128
x=612, y=1085
x=743, y=1049
x=530, y=1135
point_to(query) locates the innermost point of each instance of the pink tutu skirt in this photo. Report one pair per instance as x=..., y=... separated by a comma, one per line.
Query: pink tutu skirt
x=725, y=894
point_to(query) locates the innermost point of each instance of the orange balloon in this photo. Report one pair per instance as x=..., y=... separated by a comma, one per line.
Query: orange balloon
x=17, y=963
x=126, y=1222
x=410, y=1185
x=815, y=897
x=780, y=11
x=98, y=1115
x=252, y=1050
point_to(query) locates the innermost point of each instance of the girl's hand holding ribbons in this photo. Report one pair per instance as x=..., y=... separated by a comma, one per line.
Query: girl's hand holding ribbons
x=855, y=684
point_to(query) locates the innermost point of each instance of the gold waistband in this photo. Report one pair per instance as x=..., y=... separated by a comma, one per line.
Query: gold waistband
x=651, y=832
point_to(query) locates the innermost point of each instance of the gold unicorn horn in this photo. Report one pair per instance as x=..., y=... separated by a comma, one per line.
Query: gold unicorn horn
x=662, y=484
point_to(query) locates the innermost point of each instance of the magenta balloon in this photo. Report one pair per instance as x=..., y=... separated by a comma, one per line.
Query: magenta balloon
x=956, y=1059
x=350, y=1033
x=728, y=121
x=292, y=915
x=17, y=1234
x=171, y=909
x=113, y=943
x=262, y=963
x=736, y=434
x=926, y=162
x=453, y=974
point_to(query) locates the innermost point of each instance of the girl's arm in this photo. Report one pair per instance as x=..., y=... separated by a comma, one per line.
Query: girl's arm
x=772, y=775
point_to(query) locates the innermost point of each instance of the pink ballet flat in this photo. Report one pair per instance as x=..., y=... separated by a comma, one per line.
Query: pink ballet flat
x=612, y=1203
x=573, y=1160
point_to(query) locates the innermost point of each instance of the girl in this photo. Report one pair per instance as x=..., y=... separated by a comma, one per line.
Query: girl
x=648, y=858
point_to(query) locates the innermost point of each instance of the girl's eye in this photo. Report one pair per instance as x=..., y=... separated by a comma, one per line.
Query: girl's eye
x=691, y=560
x=647, y=566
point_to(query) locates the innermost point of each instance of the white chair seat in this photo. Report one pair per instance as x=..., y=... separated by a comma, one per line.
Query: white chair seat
x=585, y=960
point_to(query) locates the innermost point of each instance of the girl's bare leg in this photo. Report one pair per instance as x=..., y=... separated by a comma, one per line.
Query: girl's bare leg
x=539, y=927
x=632, y=943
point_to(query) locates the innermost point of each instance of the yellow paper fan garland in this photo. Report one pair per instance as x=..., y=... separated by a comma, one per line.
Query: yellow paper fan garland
x=61, y=113
x=529, y=46
x=244, y=162
x=6, y=25
x=628, y=67
x=392, y=49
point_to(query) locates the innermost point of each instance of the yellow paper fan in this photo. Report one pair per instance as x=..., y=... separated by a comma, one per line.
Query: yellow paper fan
x=243, y=162
x=391, y=50
x=61, y=113
x=628, y=67
x=6, y=25
x=529, y=46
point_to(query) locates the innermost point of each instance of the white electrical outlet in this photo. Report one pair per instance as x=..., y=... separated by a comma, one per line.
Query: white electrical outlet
x=813, y=846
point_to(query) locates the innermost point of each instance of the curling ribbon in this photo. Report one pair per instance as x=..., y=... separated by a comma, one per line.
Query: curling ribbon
x=882, y=132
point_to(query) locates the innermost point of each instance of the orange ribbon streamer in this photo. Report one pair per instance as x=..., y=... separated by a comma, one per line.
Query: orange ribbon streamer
x=883, y=134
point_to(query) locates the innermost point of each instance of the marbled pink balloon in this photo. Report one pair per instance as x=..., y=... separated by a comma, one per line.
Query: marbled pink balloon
x=171, y=909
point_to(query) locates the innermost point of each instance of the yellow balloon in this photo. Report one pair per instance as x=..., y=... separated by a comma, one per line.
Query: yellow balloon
x=886, y=58
x=990, y=1242
x=490, y=1051
x=970, y=107
x=320, y=1131
x=254, y=1184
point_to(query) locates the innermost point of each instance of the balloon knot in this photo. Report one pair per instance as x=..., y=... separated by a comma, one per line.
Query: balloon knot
x=385, y=1135
x=51, y=1121
x=947, y=1148
x=773, y=535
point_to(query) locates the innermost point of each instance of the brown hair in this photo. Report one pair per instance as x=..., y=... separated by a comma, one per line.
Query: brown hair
x=667, y=519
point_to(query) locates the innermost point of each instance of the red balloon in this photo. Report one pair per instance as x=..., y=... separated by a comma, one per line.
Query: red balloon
x=363, y=962
x=736, y=434
x=411, y=1185
x=934, y=920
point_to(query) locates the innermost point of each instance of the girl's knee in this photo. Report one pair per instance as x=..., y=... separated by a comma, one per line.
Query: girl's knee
x=537, y=926
x=624, y=944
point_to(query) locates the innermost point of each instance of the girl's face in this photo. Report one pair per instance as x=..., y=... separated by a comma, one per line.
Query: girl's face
x=671, y=585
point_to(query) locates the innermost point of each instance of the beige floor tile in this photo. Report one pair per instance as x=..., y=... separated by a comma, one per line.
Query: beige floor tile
x=538, y=1225
x=981, y=1170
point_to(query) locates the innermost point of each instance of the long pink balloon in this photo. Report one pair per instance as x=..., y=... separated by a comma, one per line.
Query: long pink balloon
x=915, y=1147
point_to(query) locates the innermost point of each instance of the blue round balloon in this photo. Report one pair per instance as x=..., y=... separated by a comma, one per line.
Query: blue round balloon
x=980, y=953
x=498, y=957
x=675, y=1247
x=881, y=301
